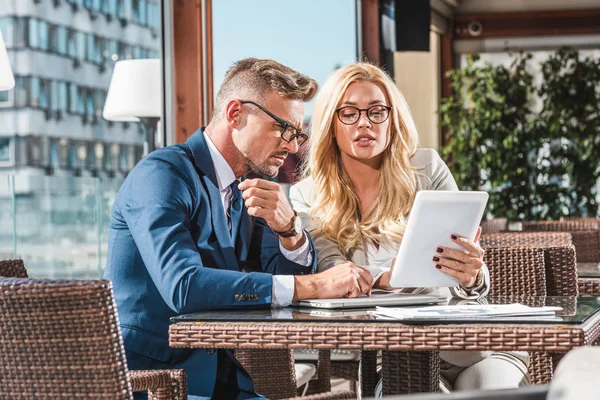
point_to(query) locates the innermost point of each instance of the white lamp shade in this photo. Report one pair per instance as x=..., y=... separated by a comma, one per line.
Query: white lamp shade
x=7, y=80
x=134, y=91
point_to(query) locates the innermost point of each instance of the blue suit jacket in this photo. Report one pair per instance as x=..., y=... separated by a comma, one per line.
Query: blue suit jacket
x=170, y=252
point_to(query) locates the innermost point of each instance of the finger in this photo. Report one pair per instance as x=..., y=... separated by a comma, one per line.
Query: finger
x=460, y=276
x=452, y=264
x=459, y=255
x=472, y=247
x=364, y=274
x=257, y=192
x=258, y=202
x=258, y=183
x=258, y=212
x=478, y=234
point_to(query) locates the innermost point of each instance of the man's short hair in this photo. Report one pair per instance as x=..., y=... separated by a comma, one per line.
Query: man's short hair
x=252, y=79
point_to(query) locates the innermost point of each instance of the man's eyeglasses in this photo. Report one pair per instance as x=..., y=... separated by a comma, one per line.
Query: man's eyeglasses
x=350, y=115
x=288, y=132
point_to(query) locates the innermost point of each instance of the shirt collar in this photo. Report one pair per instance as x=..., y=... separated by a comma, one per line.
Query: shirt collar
x=225, y=175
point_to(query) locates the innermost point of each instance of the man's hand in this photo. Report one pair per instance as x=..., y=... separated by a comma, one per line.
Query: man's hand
x=266, y=200
x=343, y=280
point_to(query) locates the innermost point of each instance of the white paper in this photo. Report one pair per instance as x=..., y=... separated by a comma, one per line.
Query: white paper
x=467, y=311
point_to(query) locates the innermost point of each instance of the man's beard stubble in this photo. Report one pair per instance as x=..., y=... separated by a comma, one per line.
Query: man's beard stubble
x=265, y=169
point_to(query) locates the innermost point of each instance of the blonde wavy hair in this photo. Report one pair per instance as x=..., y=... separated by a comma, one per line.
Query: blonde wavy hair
x=336, y=211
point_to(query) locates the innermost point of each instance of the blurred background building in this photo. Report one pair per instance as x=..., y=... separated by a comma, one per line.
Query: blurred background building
x=54, y=144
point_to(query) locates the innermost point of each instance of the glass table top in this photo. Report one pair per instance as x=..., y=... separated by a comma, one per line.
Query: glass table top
x=575, y=310
x=588, y=270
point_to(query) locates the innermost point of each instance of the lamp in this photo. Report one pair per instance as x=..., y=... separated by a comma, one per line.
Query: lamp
x=135, y=95
x=7, y=80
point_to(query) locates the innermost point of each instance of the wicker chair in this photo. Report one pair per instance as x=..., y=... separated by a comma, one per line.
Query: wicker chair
x=61, y=338
x=585, y=233
x=543, y=267
x=13, y=269
x=494, y=225
x=260, y=364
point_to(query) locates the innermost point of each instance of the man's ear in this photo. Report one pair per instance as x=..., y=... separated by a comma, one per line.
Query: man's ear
x=233, y=111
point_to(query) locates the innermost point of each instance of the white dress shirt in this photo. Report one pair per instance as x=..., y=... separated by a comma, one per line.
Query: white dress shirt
x=283, y=285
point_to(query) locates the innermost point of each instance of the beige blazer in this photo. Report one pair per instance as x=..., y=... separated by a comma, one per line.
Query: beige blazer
x=432, y=174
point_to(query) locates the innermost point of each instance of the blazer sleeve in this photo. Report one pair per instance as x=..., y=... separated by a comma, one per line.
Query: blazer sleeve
x=161, y=197
x=271, y=259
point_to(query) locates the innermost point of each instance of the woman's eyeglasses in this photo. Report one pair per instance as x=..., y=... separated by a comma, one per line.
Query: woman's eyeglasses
x=350, y=115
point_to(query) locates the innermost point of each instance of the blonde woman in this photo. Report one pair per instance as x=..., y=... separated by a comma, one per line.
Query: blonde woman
x=363, y=172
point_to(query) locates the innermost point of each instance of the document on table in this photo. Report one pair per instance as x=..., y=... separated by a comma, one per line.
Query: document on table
x=468, y=312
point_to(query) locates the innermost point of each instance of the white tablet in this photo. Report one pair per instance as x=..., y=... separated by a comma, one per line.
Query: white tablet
x=434, y=217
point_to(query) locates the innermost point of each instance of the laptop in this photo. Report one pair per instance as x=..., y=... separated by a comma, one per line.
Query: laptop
x=377, y=298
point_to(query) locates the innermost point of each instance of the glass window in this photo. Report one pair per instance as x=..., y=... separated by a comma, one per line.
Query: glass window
x=123, y=158
x=42, y=30
x=53, y=38
x=4, y=149
x=138, y=52
x=99, y=100
x=34, y=92
x=20, y=91
x=72, y=43
x=93, y=48
x=81, y=38
x=81, y=99
x=110, y=52
x=61, y=39
x=109, y=7
x=240, y=29
x=54, y=105
x=34, y=39
x=125, y=51
x=90, y=110
x=63, y=96
x=64, y=153
x=6, y=27
x=54, y=154
x=44, y=93
x=124, y=9
x=73, y=98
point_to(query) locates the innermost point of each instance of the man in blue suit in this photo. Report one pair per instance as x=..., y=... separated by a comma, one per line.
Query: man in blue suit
x=186, y=235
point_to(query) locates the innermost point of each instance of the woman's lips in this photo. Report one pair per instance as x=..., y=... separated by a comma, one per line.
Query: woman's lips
x=364, y=142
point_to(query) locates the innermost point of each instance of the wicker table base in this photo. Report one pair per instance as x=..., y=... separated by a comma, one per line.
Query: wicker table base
x=401, y=344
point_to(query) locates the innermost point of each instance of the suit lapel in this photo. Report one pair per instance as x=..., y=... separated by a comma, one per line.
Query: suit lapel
x=204, y=163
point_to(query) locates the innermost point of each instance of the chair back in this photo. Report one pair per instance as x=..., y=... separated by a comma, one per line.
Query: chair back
x=516, y=271
x=62, y=339
x=584, y=231
x=559, y=256
x=13, y=268
x=494, y=225
x=534, y=239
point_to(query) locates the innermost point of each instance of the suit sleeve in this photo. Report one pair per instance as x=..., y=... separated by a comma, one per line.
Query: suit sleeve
x=272, y=260
x=157, y=212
